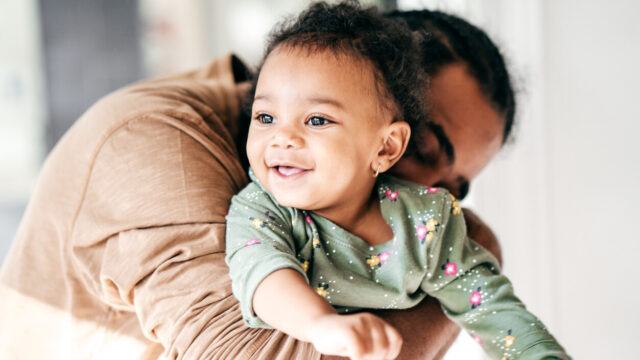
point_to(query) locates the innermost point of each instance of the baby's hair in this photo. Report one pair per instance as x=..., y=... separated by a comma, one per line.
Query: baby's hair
x=349, y=29
x=448, y=39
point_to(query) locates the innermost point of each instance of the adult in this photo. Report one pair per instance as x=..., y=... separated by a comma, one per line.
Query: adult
x=120, y=252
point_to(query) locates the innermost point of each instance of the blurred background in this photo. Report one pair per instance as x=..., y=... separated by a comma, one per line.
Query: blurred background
x=560, y=197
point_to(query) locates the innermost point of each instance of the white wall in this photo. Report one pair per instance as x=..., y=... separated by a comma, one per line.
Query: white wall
x=22, y=109
x=181, y=35
x=593, y=53
x=21, y=99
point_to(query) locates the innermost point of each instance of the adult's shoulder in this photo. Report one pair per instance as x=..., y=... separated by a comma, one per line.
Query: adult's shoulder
x=156, y=152
x=185, y=116
x=200, y=101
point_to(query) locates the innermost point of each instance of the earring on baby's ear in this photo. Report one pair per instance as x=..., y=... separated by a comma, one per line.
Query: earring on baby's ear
x=377, y=171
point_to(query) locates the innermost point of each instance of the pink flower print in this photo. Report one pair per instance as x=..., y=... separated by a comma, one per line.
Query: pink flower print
x=308, y=218
x=384, y=256
x=426, y=231
x=253, y=241
x=476, y=338
x=450, y=268
x=432, y=190
x=378, y=260
x=422, y=232
x=391, y=195
x=475, y=299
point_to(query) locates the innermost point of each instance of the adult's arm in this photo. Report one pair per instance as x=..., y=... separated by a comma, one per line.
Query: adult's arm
x=426, y=332
x=481, y=233
x=149, y=239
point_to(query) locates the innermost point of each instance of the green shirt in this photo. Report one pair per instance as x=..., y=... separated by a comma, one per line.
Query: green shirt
x=429, y=254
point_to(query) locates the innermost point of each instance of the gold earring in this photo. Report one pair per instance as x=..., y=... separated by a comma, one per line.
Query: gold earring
x=377, y=171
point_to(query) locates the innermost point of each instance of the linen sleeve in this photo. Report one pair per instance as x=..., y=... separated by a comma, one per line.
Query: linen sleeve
x=149, y=239
x=259, y=241
x=466, y=279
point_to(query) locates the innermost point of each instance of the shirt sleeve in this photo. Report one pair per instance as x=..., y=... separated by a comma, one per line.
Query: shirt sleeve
x=466, y=279
x=149, y=239
x=259, y=241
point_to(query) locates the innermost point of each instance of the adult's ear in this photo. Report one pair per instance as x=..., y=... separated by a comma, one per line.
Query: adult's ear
x=393, y=147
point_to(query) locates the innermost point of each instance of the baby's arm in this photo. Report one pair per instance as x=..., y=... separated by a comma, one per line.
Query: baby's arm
x=272, y=287
x=285, y=301
x=466, y=280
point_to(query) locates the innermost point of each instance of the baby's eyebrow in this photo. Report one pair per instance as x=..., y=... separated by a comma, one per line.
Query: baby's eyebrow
x=261, y=97
x=315, y=100
x=325, y=100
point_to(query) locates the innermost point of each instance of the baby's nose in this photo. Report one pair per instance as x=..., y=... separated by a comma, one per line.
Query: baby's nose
x=288, y=138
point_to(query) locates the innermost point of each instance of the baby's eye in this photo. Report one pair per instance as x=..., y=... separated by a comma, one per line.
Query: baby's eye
x=318, y=121
x=265, y=119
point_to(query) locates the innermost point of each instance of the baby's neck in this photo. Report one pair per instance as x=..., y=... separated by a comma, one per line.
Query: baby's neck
x=368, y=223
x=372, y=228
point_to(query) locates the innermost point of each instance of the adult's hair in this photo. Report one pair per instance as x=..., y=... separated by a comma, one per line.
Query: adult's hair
x=347, y=28
x=448, y=39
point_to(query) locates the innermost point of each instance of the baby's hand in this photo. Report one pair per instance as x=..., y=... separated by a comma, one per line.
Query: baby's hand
x=357, y=336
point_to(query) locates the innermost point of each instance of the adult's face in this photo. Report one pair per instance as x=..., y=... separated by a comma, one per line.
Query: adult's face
x=466, y=134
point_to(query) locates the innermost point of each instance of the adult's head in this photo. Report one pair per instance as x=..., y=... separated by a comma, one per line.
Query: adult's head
x=471, y=100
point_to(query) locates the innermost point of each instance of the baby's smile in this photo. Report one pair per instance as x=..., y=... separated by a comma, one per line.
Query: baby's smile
x=289, y=170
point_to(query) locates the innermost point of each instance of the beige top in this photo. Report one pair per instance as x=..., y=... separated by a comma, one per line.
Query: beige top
x=122, y=245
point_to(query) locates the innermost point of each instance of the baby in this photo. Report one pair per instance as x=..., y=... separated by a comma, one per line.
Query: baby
x=321, y=233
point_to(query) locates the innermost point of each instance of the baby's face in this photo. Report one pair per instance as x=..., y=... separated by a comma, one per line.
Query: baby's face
x=317, y=125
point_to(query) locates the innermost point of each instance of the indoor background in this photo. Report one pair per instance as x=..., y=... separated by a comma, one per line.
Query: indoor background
x=560, y=197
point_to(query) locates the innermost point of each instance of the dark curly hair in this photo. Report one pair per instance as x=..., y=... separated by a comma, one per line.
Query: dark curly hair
x=448, y=39
x=349, y=29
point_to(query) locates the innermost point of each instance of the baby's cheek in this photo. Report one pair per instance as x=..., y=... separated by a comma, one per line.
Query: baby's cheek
x=255, y=154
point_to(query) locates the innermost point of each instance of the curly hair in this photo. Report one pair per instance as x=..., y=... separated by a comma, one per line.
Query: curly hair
x=448, y=39
x=349, y=29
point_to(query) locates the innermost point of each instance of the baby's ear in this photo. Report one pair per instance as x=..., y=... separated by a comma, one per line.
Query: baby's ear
x=395, y=143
